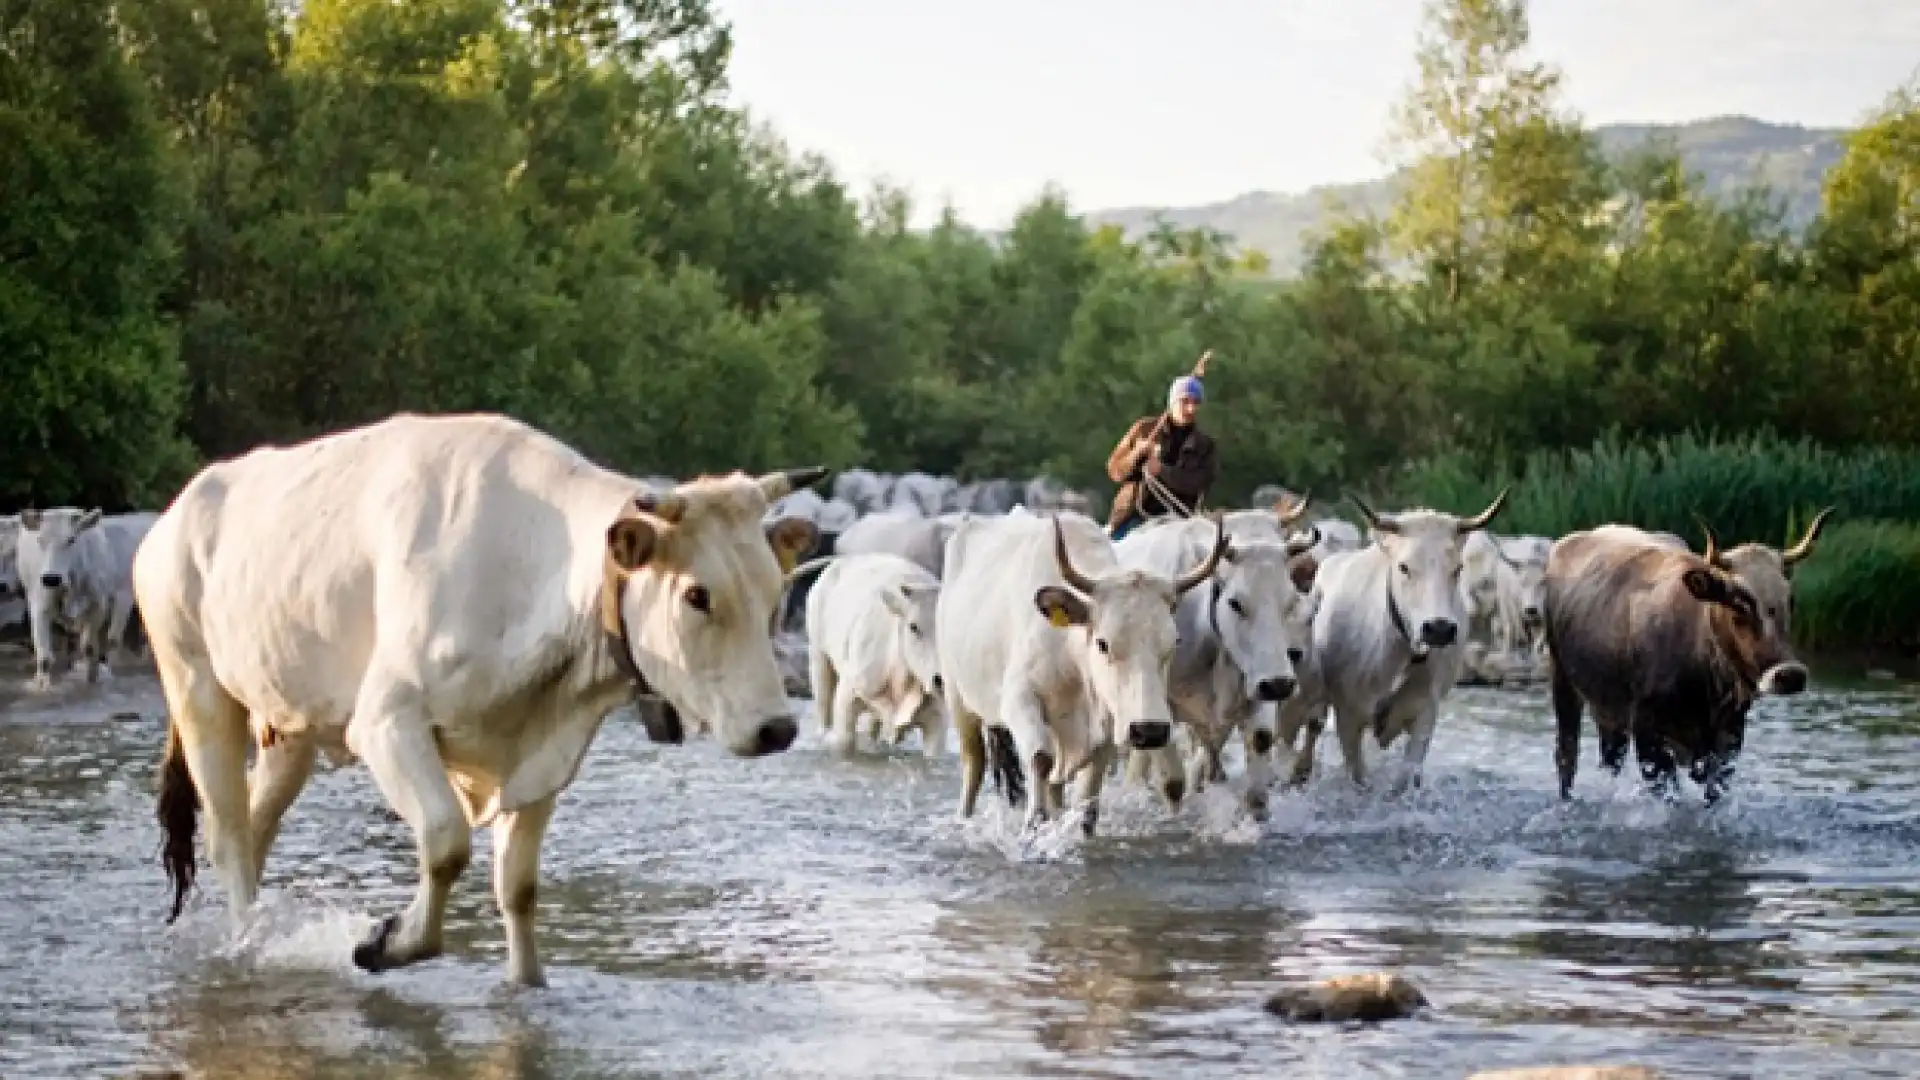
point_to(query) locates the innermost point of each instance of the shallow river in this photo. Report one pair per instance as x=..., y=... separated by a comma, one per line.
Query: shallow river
x=706, y=916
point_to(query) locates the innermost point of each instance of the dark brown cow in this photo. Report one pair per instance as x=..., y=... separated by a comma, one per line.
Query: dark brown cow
x=1669, y=647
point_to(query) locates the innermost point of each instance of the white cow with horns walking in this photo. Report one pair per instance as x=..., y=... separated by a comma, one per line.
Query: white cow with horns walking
x=458, y=601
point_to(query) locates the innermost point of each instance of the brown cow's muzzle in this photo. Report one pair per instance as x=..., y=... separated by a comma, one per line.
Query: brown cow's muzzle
x=1784, y=680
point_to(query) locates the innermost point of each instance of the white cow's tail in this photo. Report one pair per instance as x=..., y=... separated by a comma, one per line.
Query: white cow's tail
x=178, y=809
x=1003, y=761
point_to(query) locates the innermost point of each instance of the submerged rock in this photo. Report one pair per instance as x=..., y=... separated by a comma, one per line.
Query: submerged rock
x=1373, y=996
x=1571, y=1073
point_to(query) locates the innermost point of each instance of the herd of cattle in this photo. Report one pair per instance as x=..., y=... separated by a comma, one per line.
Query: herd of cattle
x=460, y=601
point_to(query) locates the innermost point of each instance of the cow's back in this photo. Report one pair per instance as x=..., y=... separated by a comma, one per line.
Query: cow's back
x=443, y=540
x=987, y=622
x=1610, y=604
x=1352, y=634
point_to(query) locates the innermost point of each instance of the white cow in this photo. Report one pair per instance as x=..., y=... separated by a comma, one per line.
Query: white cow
x=458, y=601
x=919, y=494
x=1240, y=639
x=871, y=647
x=1523, y=592
x=1387, y=635
x=1337, y=535
x=76, y=566
x=1502, y=592
x=13, y=595
x=867, y=491
x=1048, y=640
x=1480, y=588
x=923, y=541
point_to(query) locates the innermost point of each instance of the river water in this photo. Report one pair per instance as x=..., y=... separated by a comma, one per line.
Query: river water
x=704, y=916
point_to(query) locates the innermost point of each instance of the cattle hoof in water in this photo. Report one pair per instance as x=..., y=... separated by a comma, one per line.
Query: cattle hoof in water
x=1370, y=997
x=371, y=954
x=1174, y=790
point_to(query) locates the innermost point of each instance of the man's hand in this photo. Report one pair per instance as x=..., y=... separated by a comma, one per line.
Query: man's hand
x=1153, y=465
x=1150, y=459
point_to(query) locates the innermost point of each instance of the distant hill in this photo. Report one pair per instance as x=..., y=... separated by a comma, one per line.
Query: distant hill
x=1729, y=152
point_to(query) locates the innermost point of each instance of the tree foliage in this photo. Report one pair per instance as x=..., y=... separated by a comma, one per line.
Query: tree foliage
x=231, y=222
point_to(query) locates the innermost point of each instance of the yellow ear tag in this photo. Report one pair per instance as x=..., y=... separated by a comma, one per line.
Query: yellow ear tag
x=1058, y=617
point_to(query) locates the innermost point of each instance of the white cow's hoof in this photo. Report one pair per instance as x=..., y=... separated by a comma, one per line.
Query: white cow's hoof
x=41, y=683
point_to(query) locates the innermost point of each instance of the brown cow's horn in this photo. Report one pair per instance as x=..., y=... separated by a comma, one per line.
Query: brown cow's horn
x=1205, y=570
x=1074, y=578
x=780, y=484
x=1376, y=521
x=1291, y=509
x=1479, y=521
x=1712, y=555
x=1804, y=548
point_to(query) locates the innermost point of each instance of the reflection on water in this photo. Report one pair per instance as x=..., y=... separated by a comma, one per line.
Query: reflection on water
x=703, y=916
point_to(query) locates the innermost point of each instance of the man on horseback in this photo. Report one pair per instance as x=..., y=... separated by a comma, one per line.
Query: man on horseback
x=1160, y=457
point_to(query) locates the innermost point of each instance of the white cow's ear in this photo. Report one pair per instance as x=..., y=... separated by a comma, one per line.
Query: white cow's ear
x=1061, y=607
x=630, y=542
x=896, y=601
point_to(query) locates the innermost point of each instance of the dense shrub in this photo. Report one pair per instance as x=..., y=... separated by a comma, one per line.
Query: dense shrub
x=1860, y=588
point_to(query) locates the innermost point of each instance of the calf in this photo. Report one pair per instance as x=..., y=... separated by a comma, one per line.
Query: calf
x=1047, y=639
x=1669, y=648
x=871, y=647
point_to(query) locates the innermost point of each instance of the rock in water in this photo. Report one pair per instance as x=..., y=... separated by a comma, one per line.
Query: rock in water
x=1373, y=996
x=1571, y=1073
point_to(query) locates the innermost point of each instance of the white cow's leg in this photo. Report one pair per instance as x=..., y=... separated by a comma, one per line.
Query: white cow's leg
x=1303, y=763
x=973, y=753
x=1167, y=771
x=40, y=627
x=1419, y=738
x=213, y=739
x=933, y=728
x=822, y=681
x=89, y=650
x=1086, y=788
x=280, y=772
x=846, y=718
x=390, y=733
x=118, y=615
x=516, y=884
x=1350, y=723
x=1027, y=722
x=1256, y=739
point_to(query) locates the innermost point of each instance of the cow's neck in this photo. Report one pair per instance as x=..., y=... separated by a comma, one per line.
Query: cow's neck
x=1394, y=614
x=662, y=721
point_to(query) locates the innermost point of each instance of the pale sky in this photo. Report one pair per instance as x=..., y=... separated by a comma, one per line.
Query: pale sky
x=1123, y=102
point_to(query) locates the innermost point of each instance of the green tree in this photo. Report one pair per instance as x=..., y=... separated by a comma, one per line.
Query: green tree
x=93, y=381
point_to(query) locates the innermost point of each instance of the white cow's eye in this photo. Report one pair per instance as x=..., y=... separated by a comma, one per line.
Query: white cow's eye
x=1296, y=655
x=1238, y=608
x=913, y=628
x=1407, y=570
x=699, y=599
x=1101, y=644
